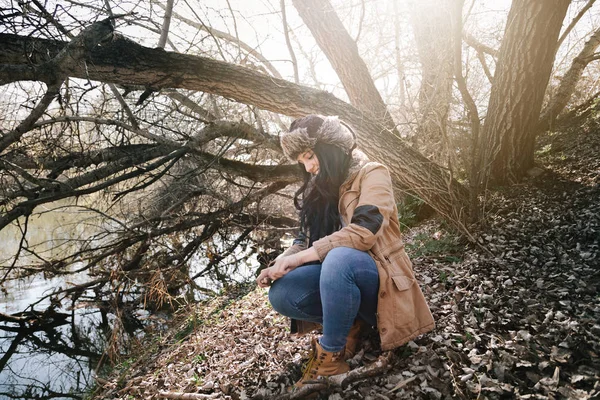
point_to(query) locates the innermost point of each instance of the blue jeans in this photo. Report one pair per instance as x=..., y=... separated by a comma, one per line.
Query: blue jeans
x=333, y=293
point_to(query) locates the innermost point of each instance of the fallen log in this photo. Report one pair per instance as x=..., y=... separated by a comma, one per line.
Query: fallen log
x=36, y=318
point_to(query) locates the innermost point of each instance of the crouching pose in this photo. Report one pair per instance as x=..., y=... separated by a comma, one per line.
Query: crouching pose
x=348, y=266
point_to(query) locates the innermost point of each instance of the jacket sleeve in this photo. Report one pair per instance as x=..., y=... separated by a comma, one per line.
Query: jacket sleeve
x=371, y=216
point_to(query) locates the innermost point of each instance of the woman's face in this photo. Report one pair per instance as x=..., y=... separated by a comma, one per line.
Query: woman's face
x=310, y=161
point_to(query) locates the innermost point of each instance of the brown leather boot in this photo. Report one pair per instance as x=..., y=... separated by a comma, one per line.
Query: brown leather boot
x=353, y=339
x=322, y=363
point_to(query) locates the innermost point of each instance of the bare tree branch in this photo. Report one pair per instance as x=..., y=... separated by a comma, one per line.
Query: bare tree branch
x=191, y=105
x=62, y=190
x=28, y=123
x=578, y=17
x=399, y=62
x=486, y=69
x=225, y=36
x=164, y=32
x=568, y=83
x=288, y=42
x=477, y=45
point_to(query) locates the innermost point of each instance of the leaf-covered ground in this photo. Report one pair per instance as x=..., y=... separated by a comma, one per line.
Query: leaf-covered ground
x=518, y=316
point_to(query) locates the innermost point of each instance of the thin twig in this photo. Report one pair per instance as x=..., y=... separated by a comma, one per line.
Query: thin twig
x=288, y=42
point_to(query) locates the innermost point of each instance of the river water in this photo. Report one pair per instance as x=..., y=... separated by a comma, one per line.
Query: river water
x=61, y=361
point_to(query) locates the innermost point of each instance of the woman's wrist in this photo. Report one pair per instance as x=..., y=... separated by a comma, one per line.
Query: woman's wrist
x=306, y=256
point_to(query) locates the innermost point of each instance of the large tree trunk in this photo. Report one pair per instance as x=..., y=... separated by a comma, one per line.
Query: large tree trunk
x=431, y=24
x=127, y=63
x=524, y=66
x=342, y=52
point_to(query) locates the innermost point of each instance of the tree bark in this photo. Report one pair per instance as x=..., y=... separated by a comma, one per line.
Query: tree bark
x=523, y=70
x=342, y=52
x=125, y=62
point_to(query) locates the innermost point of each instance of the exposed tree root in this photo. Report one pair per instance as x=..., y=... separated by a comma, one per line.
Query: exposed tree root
x=188, y=396
x=342, y=381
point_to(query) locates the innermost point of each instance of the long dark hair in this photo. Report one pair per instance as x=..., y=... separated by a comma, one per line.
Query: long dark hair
x=318, y=197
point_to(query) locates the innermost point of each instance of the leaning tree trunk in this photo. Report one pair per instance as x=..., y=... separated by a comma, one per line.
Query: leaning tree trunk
x=342, y=52
x=431, y=24
x=125, y=62
x=523, y=70
x=568, y=82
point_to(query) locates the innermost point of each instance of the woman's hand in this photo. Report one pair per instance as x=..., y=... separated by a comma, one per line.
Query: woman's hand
x=263, y=279
x=283, y=265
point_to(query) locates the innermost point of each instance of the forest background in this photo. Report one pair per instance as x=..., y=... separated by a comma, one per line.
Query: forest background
x=149, y=130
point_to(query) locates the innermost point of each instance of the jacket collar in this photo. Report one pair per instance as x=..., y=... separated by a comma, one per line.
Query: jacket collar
x=359, y=159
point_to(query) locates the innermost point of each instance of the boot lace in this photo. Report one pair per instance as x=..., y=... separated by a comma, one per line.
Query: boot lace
x=311, y=364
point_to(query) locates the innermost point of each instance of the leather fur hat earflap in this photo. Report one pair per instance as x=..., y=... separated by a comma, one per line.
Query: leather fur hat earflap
x=301, y=137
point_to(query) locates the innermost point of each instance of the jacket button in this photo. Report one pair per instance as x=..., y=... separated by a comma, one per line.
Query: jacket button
x=382, y=294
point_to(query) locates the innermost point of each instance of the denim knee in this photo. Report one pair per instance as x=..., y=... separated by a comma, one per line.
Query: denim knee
x=340, y=262
x=347, y=271
x=296, y=294
x=278, y=298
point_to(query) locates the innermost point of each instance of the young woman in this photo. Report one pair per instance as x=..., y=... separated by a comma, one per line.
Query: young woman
x=348, y=267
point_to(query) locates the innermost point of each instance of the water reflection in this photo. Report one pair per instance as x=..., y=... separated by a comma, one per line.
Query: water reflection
x=56, y=358
x=53, y=362
x=60, y=358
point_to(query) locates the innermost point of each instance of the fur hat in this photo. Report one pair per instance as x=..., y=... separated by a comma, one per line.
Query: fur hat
x=301, y=137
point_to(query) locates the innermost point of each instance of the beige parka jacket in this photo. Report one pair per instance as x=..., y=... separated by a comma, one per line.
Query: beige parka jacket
x=370, y=223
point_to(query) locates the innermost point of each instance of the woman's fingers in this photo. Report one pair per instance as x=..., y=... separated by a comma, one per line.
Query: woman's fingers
x=281, y=267
x=275, y=270
x=263, y=279
x=284, y=265
x=268, y=275
x=275, y=273
x=279, y=270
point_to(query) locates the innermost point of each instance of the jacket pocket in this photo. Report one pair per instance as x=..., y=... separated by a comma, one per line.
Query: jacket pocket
x=404, y=305
x=403, y=282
